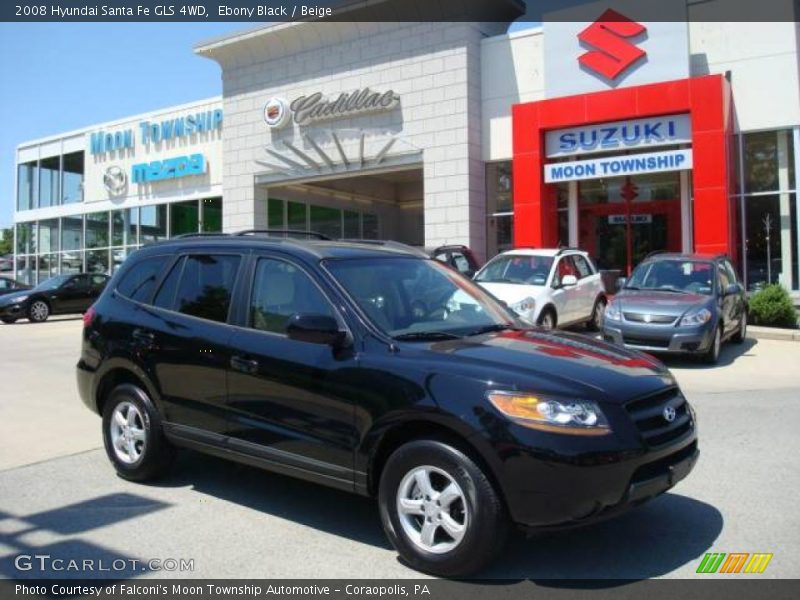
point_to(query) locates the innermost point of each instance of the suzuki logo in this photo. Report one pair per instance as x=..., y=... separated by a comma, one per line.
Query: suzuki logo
x=669, y=414
x=612, y=53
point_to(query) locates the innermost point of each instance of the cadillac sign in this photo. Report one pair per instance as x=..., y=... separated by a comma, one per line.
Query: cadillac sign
x=315, y=107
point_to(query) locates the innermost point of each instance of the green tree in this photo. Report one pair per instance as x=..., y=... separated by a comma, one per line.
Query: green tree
x=7, y=241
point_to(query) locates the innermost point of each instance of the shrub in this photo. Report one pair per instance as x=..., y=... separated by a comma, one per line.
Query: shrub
x=773, y=307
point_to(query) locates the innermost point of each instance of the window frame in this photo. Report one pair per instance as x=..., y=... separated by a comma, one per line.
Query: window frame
x=243, y=316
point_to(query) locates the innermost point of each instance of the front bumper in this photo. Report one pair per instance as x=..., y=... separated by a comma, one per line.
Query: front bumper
x=13, y=311
x=555, y=481
x=659, y=338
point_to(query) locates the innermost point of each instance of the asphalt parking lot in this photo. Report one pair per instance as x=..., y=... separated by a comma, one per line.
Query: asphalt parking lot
x=59, y=494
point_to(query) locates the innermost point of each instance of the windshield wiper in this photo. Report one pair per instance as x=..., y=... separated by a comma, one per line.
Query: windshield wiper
x=427, y=335
x=671, y=289
x=491, y=328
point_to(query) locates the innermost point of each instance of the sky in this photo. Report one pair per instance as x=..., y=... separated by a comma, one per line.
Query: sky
x=62, y=76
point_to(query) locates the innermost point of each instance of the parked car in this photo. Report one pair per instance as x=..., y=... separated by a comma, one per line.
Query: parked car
x=305, y=358
x=62, y=294
x=461, y=258
x=9, y=286
x=679, y=303
x=551, y=288
x=7, y=262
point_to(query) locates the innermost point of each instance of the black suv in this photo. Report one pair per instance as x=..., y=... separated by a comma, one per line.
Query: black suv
x=307, y=358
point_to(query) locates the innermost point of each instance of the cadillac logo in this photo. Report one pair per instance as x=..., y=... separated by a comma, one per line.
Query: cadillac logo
x=669, y=414
x=115, y=181
x=276, y=113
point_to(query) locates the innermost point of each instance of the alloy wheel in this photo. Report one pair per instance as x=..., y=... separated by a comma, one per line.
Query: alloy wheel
x=432, y=509
x=39, y=311
x=128, y=436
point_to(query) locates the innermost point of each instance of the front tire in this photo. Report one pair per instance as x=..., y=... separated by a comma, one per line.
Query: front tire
x=38, y=311
x=741, y=335
x=711, y=357
x=548, y=319
x=133, y=436
x=439, y=510
x=8, y=320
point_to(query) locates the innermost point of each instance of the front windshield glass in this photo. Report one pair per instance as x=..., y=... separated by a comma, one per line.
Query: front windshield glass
x=522, y=269
x=694, y=277
x=415, y=298
x=52, y=283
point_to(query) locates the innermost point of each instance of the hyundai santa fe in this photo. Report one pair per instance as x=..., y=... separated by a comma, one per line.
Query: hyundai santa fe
x=311, y=358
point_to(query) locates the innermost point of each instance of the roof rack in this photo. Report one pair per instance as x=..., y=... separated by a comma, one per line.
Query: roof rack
x=199, y=234
x=563, y=249
x=285, y=232
x=654, y=253
x=386, y=243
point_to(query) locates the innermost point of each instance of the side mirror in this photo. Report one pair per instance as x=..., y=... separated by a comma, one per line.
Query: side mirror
x=315, y=329
x=621, y=281
x=732, y=289
x=569, y=281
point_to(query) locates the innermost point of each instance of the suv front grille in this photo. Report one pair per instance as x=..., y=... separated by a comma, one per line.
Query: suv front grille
x=648, y=318
x=648, y=416
x=645, y=342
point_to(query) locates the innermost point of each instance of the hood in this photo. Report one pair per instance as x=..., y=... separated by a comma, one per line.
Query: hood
x=511, y=293
x=12, y=297
x=654, y=302
x=556, y=362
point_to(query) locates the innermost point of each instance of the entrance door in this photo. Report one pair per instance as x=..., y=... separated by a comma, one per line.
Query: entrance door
x=620, y=227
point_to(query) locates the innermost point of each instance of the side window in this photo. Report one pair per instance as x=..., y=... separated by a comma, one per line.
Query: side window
x=206, y=286
x=724, y=278
x=280, y=290
x=98, y=280
x=138, y=283
x=460, y=262
x=730, y=270
x=165, y=298
x=442, y=257
x=582, y=266
x=5, y=284
x=564, y=266
x=81, y=282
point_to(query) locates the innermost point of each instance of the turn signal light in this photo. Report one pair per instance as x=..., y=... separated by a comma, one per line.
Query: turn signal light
x=88, y=317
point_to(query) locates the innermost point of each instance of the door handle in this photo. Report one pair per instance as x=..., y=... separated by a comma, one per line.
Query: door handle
x=244, y=365
x=147, y=337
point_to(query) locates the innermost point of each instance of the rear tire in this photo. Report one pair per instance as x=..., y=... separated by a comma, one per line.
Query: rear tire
x=595, y=322
x=548, y=319
x=430, y=489
x=741, y=335
x=711, y=356
x=133, y=435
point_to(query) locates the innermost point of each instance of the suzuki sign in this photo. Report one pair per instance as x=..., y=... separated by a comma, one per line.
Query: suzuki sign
x=615, y=49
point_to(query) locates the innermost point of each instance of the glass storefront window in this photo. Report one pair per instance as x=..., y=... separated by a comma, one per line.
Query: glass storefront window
x=72, y=233
x=768, y=161
x=352, y=225
x=48, y=236
x=49, y=176
x=27, y=184
x=72, y=262
x=123, y=227
x=327, y=221
x=26, y=238
x=72, y=179
x=184, y=218
x=370, y=227
x=26, y=269
x=97, y=230
x=153, y=223
x=296, y=216
x=499, y=208
x=97, y=261
x=212, y=215
x=48, y=267
x=767, y=258
x=275, y=214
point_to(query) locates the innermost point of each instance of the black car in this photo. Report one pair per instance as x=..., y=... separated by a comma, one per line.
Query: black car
x=679, y=303
x=9, y=286
x=306, y=358
x=62, y=294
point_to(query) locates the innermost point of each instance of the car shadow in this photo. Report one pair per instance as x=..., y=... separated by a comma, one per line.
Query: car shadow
x=728, y=354
x=649, y=541
x=53, y=319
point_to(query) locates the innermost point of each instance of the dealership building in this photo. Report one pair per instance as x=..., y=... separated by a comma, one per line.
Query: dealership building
x=619, y=136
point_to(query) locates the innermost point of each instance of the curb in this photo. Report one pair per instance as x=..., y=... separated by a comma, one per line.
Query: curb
x=773, y=333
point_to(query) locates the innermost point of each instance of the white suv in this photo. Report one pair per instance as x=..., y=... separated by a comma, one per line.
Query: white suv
x=551, y=288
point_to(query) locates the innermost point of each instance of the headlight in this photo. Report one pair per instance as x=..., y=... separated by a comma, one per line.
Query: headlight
x=697, y=317
x=575, y=417
x=19, y=299
x=524, y=306
x=613, y=313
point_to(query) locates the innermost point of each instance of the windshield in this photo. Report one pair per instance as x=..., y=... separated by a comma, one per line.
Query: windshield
x=527, y=270
x=413, y=297
x=52, y=283
x=686, y=276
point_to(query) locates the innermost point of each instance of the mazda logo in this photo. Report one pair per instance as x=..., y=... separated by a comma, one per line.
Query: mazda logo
x=115, y=181
x=669, y=414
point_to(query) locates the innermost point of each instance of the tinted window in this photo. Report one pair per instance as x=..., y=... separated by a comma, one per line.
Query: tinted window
x=165, y=297
x=206, y=286
x=460, y=262
x=140, y=281
x=281, y=290
x=99, y=280
x=5, y=284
